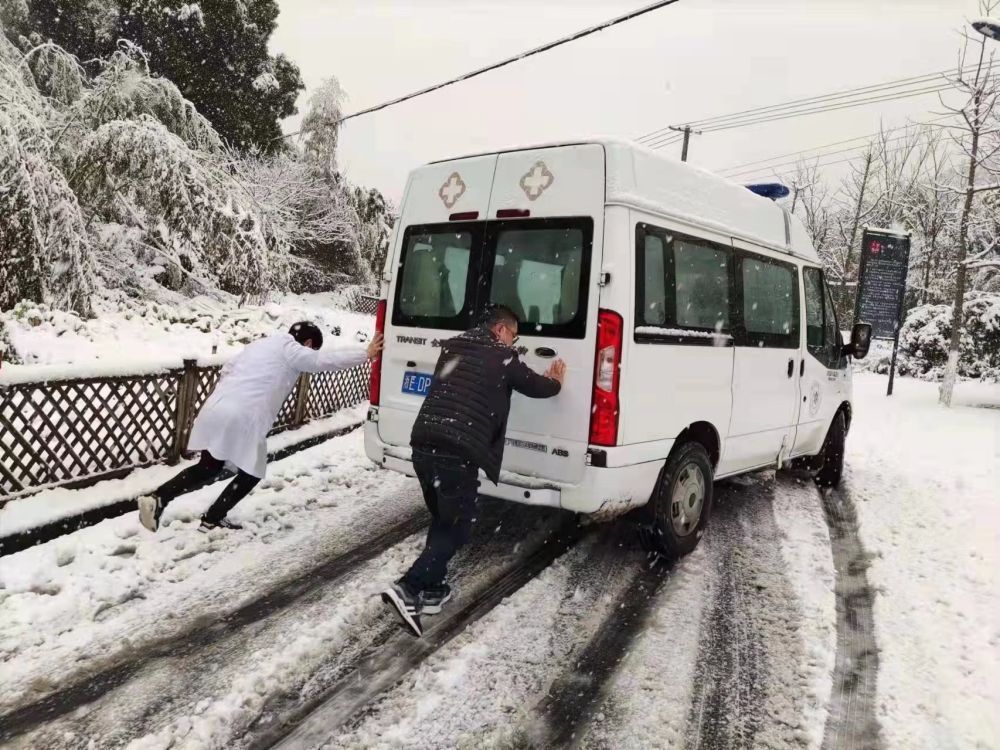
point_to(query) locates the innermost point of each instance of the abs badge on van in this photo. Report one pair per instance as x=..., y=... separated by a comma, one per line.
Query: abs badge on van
x=537, y=181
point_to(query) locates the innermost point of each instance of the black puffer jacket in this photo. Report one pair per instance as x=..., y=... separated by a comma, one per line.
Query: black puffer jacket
x=466, y=409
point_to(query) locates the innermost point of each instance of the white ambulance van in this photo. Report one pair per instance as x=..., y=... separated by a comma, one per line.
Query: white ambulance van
x=693, y=315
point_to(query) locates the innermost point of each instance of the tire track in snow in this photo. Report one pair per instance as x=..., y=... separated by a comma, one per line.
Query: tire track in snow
x=749, y=687
x=851, y=722
x=203, y=633
x=575, y=692
x=315, y=721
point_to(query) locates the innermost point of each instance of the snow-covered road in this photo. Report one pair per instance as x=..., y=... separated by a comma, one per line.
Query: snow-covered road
x=778, y=631
x=552, y=636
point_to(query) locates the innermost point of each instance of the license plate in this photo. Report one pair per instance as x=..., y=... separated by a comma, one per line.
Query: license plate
x=416, y=383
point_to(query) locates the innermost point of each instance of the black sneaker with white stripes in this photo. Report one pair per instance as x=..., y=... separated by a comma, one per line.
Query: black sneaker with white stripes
x=434, y=598
x=406, y=605
x=206, y=525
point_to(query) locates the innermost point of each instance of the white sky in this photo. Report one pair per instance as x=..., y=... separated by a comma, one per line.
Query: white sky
x=691, y=60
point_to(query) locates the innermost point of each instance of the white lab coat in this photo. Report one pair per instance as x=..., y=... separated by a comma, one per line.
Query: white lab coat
x=233, y=423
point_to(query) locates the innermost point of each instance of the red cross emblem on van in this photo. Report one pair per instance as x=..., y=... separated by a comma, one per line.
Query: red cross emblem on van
x=452, y=190
x=537, y=180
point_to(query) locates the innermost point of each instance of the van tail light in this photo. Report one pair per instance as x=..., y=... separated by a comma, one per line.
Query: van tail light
x=607, y=373
x=375, y=379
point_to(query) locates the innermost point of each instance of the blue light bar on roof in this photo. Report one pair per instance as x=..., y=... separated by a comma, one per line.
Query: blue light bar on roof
x=772, y=190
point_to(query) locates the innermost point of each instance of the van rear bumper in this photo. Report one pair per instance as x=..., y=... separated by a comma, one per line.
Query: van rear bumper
x=603, y=492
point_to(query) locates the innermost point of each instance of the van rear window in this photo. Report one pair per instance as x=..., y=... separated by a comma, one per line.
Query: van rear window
x=434, y=289
x=540, y=268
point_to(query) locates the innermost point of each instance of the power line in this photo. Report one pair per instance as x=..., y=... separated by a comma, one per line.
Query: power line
x=778, y=157
x=809, y=104
x=768, y=175
x=818, y=110
x=832, y=108
x=856, y=149
x=516, y=58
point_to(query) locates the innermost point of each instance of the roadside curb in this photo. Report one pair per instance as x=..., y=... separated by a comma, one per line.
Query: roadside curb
x=22, y=540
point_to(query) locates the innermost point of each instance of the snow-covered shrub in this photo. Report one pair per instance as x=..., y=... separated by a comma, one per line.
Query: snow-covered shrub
x=124, y=89
x=42, y=234
x=43, y=239
x=924, y=337
x=138, y=173
x=57, y=74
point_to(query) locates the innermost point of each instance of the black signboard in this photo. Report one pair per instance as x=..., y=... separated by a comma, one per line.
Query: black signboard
x=885, y=258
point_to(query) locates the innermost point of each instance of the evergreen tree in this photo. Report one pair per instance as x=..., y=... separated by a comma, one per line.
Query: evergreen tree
x=214, y=51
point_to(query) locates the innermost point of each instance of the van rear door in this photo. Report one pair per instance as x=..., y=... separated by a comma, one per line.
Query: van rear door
x=535, y=247
x=433, y=289
x=542, y=259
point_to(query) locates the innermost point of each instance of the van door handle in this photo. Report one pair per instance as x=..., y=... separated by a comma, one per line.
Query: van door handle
x=411, y=364
x=544, y=351
x=791, y=367
x=802, y=367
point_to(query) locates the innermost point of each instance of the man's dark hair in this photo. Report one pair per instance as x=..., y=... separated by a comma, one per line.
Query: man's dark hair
x=304, y=331
x=501, y=315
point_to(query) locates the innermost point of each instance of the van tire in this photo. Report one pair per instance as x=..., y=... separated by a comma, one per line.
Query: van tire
x=688, y=464
x=832, y=467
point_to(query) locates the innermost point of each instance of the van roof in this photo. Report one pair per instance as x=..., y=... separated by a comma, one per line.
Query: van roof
x=641, y=178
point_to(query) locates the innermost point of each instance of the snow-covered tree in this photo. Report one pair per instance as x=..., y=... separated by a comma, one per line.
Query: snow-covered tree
x=214, y=51
x=375, y=218
x=975, y=115
x=137, y=173
x=43, y=244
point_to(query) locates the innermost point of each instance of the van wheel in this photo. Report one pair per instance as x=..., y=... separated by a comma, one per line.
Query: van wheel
x=832, y=468
x=681, y=503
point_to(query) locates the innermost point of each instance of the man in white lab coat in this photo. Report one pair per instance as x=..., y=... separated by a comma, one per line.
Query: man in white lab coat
x=232, y=426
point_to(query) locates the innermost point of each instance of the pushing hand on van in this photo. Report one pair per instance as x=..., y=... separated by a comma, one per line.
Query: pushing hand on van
x=375, y=347
x=557, y=371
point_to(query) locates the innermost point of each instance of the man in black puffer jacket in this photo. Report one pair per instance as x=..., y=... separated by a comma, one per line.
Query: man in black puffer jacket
x=459, y=430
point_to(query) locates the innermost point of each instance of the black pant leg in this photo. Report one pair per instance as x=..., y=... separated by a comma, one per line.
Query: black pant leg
x=235, y=491
x=192, y=478
x=450, y=486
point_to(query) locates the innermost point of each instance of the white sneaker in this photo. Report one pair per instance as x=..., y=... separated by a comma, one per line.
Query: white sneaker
x=149, y=511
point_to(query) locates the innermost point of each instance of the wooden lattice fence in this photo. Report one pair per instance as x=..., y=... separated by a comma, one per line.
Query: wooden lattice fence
x=365, y=303
x=67, y=431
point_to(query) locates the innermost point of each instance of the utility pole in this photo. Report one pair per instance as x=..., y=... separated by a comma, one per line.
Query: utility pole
x=686, y=130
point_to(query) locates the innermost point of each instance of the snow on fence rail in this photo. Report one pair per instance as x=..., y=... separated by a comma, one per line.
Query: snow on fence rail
x=83, y=428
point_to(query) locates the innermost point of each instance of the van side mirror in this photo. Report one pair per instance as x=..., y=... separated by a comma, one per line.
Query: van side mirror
x=861, y=341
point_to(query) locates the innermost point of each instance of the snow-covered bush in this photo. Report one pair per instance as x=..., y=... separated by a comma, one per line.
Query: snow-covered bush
x=924, y=337
x=114, y=187
x=116, y=181
x=43, y=240
x=125, y=90
x=138, y=173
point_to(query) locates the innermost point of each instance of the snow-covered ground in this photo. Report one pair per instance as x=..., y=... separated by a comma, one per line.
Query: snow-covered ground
x=734, y=646
x=926, y=483
x=184, y=328
x=80, y=601
x=57, y=503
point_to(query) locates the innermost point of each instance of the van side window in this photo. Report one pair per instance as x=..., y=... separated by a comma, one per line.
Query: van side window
x=433, y=288
x=770, y=302
x=823, y=339
x=813, y=284
x=683, y=291
x=833, y=338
